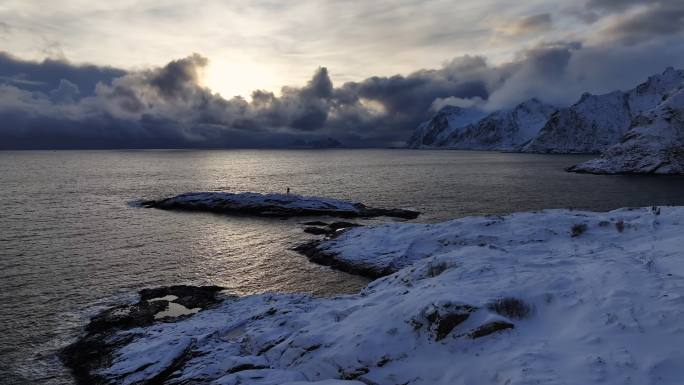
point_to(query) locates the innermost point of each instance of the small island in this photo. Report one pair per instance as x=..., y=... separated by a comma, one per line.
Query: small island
x=273, y=205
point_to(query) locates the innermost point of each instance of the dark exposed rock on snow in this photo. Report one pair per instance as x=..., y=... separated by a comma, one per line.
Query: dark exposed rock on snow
x=322, y=228
x=315, y=253
x=273, y=205
x=316, y=230
x=164, y=304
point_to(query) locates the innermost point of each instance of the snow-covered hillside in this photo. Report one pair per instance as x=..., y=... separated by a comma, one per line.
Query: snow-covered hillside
x=597, y=122
x=503, y=130
x=555, y=297
x=500, y=130
x=654, y=144
x=448, y=121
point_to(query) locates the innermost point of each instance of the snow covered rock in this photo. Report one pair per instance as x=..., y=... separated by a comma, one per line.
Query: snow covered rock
x=287, y=205
x=597, y=122
x=501, y=130
x=654, y=145
x=449, y=121
x=481, y=300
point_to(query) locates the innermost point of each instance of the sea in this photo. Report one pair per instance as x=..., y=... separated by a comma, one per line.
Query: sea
x=73, y=241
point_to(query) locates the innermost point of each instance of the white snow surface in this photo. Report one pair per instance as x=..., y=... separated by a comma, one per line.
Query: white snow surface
x=606, y=307
x=255, y=200
x=654, y=144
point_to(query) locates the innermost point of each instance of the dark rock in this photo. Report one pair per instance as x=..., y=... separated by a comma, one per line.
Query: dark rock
x=315, y=223
x=342, y=225
x=578, y=229
x=188, y=296
x=94, y=350
x=312, y=251
x=329, y=229
x=510, y=307
x=447, y=323
x=489, y=328
x=442, y=320
x=395, y=213
x=317, y=231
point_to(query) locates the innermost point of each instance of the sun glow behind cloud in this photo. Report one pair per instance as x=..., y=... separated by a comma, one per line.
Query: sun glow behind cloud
x=240, y=76
x=262, y=44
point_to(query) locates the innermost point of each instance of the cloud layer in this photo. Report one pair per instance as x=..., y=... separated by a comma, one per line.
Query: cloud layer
x=56, y=104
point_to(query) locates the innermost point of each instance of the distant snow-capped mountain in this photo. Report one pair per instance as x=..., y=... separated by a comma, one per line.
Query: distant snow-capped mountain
x=653, y=145
x=597, y=122
x=472, y=129
x=593, y=124
x=447, y=122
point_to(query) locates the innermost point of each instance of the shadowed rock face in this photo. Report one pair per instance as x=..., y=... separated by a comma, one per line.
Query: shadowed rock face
x=316, y=254
x=94, y=349
x=273, y=205
x=330, y=229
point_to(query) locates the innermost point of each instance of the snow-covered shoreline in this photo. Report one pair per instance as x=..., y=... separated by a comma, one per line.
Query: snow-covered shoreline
x=286, y=205
x=553, y=297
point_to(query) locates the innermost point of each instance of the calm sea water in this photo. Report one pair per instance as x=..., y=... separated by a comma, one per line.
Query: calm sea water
x=70, y=243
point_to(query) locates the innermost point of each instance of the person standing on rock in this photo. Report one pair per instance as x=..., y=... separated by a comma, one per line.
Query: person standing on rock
x=288, y=191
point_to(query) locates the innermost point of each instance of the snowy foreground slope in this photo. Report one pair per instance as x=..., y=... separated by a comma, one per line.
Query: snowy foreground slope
x=249, y=203
x=556, y=297
x=654, y=144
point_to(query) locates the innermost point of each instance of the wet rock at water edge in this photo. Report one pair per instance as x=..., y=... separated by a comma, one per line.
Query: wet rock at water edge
x=94, y=349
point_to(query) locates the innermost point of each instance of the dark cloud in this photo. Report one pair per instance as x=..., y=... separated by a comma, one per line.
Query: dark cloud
x=614, y=5
x=179, y=78
x=54, y=104
x=47, y=75
x=659, y=18
x=167, y=107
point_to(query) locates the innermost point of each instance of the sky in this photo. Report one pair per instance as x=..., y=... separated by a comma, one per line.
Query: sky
x=262, y=73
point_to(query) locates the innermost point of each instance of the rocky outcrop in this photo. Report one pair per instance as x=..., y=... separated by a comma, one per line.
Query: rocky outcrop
x=94, y=349
x=329, y=229
x=317, y=253
x=273, y=205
